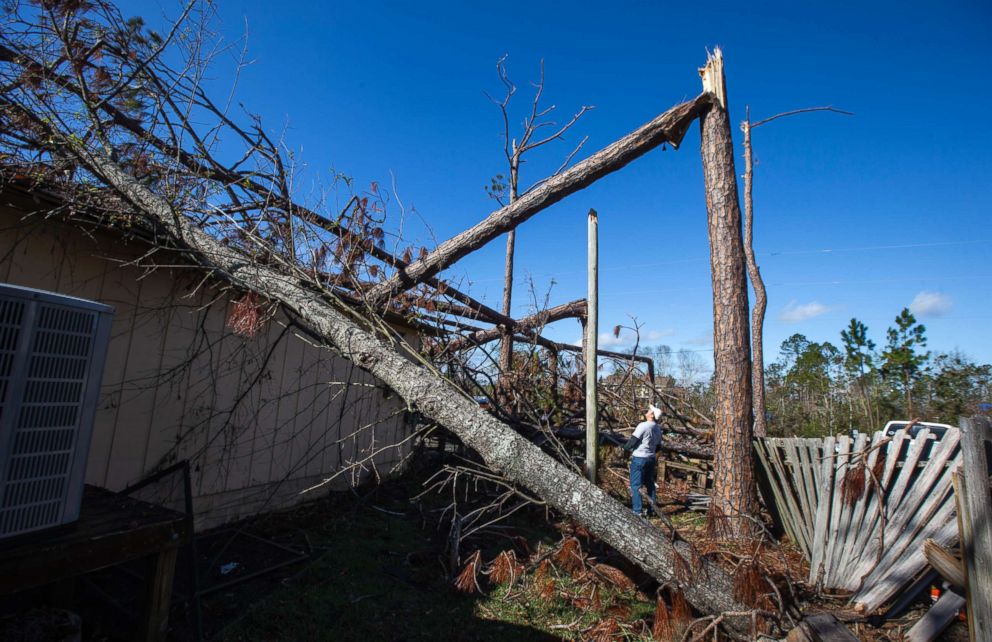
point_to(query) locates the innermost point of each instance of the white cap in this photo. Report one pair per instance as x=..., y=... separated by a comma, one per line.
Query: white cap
x=657, y=412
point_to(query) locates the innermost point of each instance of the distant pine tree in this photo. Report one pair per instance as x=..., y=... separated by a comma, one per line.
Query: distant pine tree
x=902, y=361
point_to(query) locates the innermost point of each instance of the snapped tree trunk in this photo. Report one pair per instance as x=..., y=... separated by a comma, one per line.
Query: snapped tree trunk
x=735, y=499
x=705, y=585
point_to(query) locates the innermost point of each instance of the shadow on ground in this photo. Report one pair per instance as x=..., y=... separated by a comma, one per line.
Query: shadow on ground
x=375, y=576
x=375, y=570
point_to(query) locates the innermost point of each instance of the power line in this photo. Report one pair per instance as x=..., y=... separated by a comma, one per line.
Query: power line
x=767, y=253
x=873, y=248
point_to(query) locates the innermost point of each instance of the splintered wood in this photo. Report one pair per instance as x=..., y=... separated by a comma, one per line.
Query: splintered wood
x=860, y=510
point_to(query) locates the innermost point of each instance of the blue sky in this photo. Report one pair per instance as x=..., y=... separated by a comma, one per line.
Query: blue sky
x=854, y=216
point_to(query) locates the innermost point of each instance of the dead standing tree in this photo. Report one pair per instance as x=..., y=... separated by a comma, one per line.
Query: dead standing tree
x=514, y=149
x=735, y=500
x=57, y=113
x=753, y=272
x=760, y=295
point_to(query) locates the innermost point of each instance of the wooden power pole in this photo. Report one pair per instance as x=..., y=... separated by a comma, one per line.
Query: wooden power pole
x=592, y=346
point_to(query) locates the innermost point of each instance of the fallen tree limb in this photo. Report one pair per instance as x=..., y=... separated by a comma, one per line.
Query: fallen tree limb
x=201, y=165
x=707, y=586
x=565, y=347
x=524, y=325
x=679, y=446
x=669, y=127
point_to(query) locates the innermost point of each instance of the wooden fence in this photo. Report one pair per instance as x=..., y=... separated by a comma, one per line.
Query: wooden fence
x=860, y=509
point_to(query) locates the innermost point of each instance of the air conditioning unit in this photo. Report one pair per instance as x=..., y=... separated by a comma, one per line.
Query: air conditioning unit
x=52, y=350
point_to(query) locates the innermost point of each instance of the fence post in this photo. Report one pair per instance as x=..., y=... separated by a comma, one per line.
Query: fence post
x=976, y=524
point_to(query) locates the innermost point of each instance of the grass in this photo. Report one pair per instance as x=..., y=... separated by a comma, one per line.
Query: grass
x=379, y=575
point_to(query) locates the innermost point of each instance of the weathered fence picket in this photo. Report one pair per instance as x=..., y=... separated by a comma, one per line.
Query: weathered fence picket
x=975, y=520
x=864, y=538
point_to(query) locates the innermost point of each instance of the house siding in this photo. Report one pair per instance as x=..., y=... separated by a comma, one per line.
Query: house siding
x=258, y=418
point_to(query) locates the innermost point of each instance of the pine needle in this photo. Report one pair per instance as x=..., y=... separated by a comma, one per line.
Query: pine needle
x=717, y=525
x=876, y=472
x=542, y=571
x=680, y=567
x=853, y=485
x=604, y=631
x=468, y=580
x=547, y=593
x=505, y=568
x=662, y=629
x=616, y=577
x=570, y=557
x=682, y=616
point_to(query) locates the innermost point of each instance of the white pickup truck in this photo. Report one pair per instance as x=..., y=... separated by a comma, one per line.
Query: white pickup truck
x=937, y=430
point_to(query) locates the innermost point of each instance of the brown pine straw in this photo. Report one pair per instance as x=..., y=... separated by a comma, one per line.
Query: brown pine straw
x=542, y=571
x=604, y=631
x=662, y=629
x=247, y=315
x=717, y=524
x=853, y=486
x=547, y=592
x=671, y=623
x=468, y=580
x=505, y=568
x=681, y=567
x=876, y=473
x=681, y=612
x=616, y=577
x=597, y=602
x=570, y=556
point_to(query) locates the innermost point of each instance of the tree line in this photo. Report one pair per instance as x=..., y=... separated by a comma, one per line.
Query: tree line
x=819, y=388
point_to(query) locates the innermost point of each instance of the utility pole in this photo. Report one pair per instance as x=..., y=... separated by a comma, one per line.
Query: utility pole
x=592, y=346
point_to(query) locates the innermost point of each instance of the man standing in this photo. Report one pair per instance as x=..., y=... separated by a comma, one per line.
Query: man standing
x=643, y=465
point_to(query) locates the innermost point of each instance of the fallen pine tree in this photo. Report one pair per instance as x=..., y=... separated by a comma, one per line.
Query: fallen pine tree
x=72, y=130
x=707, y=586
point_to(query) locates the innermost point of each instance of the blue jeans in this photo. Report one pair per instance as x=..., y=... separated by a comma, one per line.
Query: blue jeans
x=643, y=471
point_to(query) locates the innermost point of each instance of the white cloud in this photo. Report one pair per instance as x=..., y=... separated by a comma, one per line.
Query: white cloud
x=794, y=312
x=931, y=304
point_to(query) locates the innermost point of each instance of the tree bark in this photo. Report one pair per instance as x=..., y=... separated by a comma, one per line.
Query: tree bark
x=708, y=588
x=760, y=295
x=669, y=128
x=506, y=347
x=735, y=499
